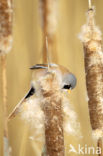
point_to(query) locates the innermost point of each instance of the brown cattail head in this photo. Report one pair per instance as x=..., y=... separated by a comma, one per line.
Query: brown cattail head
x=53, y=112
x=6, y=14
x=93, y=57
x=48, y=10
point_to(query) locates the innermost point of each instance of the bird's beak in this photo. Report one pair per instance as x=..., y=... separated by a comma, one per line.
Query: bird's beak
x=69, y=91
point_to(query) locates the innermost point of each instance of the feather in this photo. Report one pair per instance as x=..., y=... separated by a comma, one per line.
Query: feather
x=17, y=109
x=43, y=66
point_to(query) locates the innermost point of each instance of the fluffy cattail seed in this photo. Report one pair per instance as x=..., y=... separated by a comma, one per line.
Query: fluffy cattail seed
x=93, y=57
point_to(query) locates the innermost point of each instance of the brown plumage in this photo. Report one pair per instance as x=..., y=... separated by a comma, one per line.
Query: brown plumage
x=39, y=70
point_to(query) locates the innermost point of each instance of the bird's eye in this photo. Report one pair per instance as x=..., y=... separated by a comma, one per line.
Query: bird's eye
x=67, y=86
x=69, y=81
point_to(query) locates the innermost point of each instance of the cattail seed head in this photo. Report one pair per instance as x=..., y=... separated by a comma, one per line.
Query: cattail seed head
x=48, y=12
x=93, y=57
x=6, y=13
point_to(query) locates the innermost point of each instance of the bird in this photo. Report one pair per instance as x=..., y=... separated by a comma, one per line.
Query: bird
x=69, y=82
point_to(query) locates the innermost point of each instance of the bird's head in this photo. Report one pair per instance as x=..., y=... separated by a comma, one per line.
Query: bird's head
x=68, y=80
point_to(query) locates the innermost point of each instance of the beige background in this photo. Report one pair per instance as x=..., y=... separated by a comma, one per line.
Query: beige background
x=26, y=52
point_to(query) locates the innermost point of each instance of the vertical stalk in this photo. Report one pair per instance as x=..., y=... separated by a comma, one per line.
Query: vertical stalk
x=4, y=94
x=6, y=13
x=52, y=146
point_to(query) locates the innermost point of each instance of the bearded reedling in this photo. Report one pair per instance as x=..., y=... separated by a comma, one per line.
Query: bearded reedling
x=6, y=14
x=45, y=102
x=93, y=58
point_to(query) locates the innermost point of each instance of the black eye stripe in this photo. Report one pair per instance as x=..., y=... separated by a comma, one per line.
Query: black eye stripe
x=67, y=86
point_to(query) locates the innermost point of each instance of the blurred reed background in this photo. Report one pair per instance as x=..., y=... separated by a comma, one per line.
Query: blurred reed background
x=27, y=48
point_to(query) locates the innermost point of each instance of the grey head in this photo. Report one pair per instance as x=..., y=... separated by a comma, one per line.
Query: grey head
x=69, y=81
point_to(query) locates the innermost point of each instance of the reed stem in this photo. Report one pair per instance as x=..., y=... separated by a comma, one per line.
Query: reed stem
x=4, y=94
x=90, y=4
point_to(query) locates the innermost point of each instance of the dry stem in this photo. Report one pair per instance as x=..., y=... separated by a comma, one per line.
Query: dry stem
x=4, y=92
x=6, y=13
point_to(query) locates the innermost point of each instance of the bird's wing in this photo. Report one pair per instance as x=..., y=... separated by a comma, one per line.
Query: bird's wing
x=43, y=66
x=17, y=109
x=39, y=66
